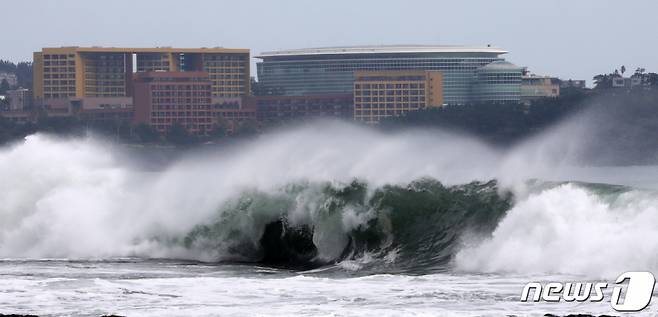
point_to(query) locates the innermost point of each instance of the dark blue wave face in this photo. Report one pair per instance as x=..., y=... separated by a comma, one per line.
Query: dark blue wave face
x=419, y=224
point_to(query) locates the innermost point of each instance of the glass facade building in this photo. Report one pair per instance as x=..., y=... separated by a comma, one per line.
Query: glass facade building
x=331, y=70
x=499, y=81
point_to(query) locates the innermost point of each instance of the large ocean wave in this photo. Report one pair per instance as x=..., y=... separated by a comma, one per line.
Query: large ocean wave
x=328, y=195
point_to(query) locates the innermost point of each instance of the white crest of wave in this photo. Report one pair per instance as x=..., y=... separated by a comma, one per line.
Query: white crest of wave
x=571, y=230
x=82, y=198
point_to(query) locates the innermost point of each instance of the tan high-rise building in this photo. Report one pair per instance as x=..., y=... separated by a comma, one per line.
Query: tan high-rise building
x=381, y=94
x=98, y=72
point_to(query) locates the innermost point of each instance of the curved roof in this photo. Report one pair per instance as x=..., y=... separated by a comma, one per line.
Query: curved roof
x=386, y=49
x=500, y=65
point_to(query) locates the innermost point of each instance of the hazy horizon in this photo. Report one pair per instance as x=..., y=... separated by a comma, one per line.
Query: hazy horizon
x=559, y=38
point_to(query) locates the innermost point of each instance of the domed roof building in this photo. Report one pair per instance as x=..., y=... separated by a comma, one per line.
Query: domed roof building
x=499, y=81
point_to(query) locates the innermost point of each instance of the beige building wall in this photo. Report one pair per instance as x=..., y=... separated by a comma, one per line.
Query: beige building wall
x=37, y=75
x=382, y=94
x=534, y=87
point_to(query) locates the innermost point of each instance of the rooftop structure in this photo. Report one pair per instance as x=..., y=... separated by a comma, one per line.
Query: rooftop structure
x=387, y=49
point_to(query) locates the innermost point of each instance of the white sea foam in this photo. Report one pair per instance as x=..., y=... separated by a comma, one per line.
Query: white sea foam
x=79, y=198
x=569, y=229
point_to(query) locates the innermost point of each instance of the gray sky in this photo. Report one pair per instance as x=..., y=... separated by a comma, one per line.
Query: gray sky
x=566, y=38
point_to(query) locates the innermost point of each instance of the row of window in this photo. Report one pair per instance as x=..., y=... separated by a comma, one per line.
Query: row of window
x=152, y=63
x=193, y=115
x=101, y=84
x=227, y=89
x=57, y=56
x=58, y=82
x=225, y=70
x=236, y=115
x=228, y=95
x=90, y=64
x=416, y=92
x=224, y=64
x=170, y=89
x=224, y=57
x=113, y=70
x=59, y=89
x=190, y=123
x=381, y=112
x=58, y=95
x=228, y=82
x=382, y=105
x=52, y=69
x=101, y=77
x=105, y=89
x=181, y=107
x=378, y=61
x=180, y=94
x=226, y=76
x=56, y=76
x=390, y=99
x=358, y=86
x=58, y=63
x=176, y=79
x=177, y=101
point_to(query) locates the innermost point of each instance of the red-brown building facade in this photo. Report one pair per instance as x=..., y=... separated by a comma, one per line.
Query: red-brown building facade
x=164, y=99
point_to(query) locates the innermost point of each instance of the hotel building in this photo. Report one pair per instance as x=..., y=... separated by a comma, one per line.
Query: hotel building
x=164, y=99
x=98, y=72
x=381, y=94
x=321, y=71
x=101, y=81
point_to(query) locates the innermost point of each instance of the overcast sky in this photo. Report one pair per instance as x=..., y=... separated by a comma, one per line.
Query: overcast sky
x=566, y=38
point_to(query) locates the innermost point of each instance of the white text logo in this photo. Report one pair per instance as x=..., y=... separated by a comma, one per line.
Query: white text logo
x=636, y=297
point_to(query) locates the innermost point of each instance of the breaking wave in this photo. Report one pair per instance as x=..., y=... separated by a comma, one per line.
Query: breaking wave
x=329, y=195
x=415, y=226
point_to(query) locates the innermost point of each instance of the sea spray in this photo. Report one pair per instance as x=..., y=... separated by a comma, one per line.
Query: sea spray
x=391, y=202
x=572, y=228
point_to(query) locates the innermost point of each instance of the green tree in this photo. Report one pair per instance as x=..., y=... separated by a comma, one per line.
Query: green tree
x=178, y=134
x=246, y=128
x=604, y=81
x=144, y=133
x=257, y=89
x=4, y=86
x=4, y=104
x=60, y=125
x=651, y=79
x=24, y=74
x=220, y=130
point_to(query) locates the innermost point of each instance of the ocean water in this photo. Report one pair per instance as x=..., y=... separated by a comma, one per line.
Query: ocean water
x=135, y=287
x=323, y=220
